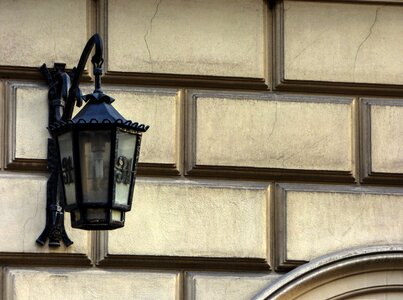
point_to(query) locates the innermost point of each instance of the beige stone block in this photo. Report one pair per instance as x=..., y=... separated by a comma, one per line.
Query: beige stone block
x=54, y=284
x=386, y=138
x=324, y=219
x=31, y=121
x=221, y=286
x=34, y=32
x=158, y=108
x=186, y=218
x=287, y=132
x=23, y=215
x=213, y=37
x=343, y=42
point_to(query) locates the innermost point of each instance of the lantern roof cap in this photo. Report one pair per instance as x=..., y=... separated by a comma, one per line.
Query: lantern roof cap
x=99, y=110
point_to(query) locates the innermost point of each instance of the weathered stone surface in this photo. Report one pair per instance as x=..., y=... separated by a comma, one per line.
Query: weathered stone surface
x=343, y=42
x=184, y=218
x=324, y=219
x=221, y=286
x=22, y=216
x=297, y=132
x=214, y=37
x=31, y=121
x=35, y=32
x=88, y=284
x=386, y=127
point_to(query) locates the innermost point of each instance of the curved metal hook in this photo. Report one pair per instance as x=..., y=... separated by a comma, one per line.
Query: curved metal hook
x=97, y=60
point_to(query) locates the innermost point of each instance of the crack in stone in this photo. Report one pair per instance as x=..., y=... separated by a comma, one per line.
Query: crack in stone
x=311, y=44
x=312, y=145
x=274, y=123
x=340, y=238
x=148, y=32
x=365, y=39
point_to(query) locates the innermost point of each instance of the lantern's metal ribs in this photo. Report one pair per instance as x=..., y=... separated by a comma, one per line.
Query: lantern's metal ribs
x=62, y=97
x=128, y=124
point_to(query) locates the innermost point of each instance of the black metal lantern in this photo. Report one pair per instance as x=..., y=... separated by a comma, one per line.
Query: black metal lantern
x=97, y=154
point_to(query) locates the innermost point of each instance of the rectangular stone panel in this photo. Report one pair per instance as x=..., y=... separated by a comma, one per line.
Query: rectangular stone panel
x=265, y=130
x=314, y=220
x=382, y=137
x=23, y=215
x=341, y=42
x=221, y=286
x=194, y=219
x=214, y=37
x=33, y=32
x=88, y=284
x=27, y=121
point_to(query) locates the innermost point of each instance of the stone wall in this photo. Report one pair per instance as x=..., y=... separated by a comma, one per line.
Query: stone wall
x=275, y=138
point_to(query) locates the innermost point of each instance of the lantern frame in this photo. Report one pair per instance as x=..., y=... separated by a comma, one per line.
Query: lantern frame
x=97, y=115
x=110, y=204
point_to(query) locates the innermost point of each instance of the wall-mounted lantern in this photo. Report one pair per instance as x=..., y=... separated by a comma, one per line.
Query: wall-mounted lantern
x=92, y=157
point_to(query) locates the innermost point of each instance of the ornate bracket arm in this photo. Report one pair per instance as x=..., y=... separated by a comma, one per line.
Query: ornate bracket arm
x=74, y=95
x=62, y=97
x=58, y=81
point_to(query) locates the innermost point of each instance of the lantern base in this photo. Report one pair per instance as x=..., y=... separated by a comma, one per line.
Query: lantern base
x=97, y=219
x=84, y=226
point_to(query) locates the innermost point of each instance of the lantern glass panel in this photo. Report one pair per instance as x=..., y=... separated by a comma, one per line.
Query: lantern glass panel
x=95, y=152
x=124, y=165
x=67, y=166
x=116, y=215
x=76, y=216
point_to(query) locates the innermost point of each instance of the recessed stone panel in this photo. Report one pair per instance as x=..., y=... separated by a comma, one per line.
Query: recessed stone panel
x=89, y=284
x=342, y=42
x=317, y=220
x=33, y=32
x=214, y=37
x=199, y=219
x=221, y=286
x=31, y=121
x=23, y=215
x=386, y=125
x=269, y=131
x=158, y=108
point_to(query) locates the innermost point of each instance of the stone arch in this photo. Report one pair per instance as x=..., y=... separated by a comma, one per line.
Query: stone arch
x=360, y=273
